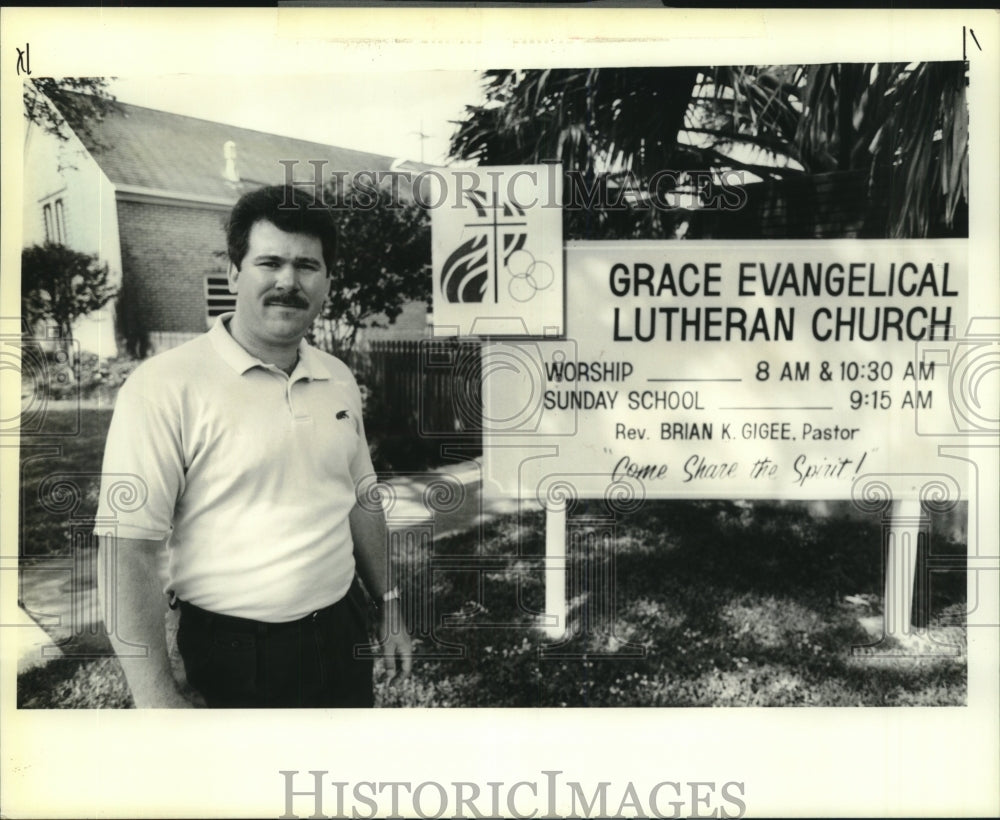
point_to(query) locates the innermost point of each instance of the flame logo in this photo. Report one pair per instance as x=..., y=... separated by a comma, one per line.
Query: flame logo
x=465, y=274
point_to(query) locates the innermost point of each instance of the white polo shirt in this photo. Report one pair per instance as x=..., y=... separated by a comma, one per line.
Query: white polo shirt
x=249, y=473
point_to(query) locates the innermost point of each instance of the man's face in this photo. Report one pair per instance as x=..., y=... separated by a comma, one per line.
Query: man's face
x=280, y=286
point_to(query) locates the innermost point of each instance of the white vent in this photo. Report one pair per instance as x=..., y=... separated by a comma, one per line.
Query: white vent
x=218, y=299
x=229, y=152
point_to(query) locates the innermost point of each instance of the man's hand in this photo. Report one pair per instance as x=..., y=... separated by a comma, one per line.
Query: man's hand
x=370, y=552
x=395, y=644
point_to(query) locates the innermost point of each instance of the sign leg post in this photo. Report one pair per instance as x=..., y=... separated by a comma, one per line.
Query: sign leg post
x=901, y=566
x=555, y=569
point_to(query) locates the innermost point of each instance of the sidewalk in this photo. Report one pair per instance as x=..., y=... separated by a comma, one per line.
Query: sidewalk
x=58, y=606
x=34, y=646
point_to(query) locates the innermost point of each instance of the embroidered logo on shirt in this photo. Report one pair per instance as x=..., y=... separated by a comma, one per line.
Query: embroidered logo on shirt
x=342, y=414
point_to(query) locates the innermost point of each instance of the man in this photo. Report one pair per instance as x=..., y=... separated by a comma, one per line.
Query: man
x=246, y=448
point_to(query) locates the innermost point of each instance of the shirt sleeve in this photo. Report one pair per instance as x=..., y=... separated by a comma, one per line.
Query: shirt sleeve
x=143, y=470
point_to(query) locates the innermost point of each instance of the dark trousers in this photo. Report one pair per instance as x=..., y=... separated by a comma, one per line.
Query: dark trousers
x=313, y=662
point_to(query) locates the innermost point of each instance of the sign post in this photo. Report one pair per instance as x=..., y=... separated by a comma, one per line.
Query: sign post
x=901, y=567
x=556, y=609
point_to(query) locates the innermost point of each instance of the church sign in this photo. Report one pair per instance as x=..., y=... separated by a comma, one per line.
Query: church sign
x=725, y=369
x=497, y=250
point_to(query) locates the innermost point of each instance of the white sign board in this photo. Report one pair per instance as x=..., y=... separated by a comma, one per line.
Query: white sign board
x=734, y=369
x=497, y=250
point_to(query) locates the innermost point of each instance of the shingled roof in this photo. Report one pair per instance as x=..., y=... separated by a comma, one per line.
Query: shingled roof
x=156, y=150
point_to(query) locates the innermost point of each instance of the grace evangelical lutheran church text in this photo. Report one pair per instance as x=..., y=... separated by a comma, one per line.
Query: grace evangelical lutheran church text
x=782, y=280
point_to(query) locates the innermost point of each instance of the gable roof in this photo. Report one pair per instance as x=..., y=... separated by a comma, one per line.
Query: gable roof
x=157, y=150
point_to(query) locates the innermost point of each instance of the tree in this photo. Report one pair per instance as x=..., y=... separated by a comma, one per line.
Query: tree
x=77, y=103
x=903, y=126
x=601, y=124
x=383, y=262
x=593, y=120
x=61, y=284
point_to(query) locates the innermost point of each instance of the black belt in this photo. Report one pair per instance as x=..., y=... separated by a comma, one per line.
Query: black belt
x=205, y=618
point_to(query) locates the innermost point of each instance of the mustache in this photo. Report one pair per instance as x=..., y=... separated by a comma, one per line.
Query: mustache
x=289, y=299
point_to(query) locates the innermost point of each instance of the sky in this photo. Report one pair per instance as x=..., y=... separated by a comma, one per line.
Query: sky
x=384, y=113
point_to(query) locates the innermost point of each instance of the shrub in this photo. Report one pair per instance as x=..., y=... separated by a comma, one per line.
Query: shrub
x=86, y=377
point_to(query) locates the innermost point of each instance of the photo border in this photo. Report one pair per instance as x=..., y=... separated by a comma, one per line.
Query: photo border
x=813, y=762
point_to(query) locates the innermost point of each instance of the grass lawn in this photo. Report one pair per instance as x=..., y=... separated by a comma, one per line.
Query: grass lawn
x=679, y=604
x=711, y=604
x=60, y=478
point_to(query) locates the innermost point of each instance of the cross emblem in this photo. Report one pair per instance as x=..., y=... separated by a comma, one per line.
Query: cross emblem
x=508, y=220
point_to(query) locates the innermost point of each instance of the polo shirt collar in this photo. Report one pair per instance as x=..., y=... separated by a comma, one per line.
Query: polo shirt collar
x=310, y=365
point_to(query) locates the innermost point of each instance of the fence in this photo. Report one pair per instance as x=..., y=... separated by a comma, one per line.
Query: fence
x=426, y=390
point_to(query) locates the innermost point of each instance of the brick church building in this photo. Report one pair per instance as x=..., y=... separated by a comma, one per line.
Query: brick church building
x=149, y=192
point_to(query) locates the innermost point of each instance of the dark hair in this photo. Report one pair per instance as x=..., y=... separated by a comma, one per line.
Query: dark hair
x=286, y=207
